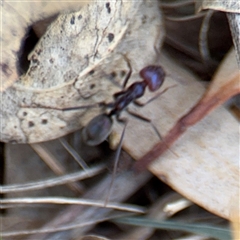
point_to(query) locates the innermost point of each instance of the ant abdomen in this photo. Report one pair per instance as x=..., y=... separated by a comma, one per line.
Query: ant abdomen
x=97, y=130
x=153, y=76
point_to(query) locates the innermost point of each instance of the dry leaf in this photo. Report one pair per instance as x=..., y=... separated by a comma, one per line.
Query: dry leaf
x=206, y=168
x=224, y=86
x=220, y=5
x=232, y=7
x=234, y=23
x=16, y=19
x=76, y=63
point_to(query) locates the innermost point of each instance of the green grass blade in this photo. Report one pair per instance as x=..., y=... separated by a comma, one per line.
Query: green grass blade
x=206, y=230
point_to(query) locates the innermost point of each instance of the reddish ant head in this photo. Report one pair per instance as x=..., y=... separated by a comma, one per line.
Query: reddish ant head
x=153, y=76
x=97, y=130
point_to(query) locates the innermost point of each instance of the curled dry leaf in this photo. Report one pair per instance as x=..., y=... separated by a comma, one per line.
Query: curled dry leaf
x=234, y=23
x=232, y=8
x=219, y=5
x=16, y=19
x=80, y=60
x=206, y=168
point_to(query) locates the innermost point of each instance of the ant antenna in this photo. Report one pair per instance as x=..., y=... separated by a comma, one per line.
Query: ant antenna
x=95, y=105
x=128, y=74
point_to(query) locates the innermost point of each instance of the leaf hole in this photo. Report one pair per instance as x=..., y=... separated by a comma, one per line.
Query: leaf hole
x=28, y=42
x=113, y=74
x=123, y=73
x=110, y=37
x=92, y=86
x=30, y=124
x=44, y=121
x=91, y=72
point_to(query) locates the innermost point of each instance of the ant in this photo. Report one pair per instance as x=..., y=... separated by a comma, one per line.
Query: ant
x=99, y=128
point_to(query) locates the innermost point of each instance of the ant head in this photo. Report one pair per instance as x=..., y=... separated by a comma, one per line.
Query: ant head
x=153, y=76
x=97, y=130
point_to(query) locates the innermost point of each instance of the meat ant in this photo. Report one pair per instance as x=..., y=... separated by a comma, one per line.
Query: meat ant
x=100, y=127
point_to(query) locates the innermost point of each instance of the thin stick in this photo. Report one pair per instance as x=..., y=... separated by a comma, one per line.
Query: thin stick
x=58, y=228
x=116, y=161
x=186, y=18
x=55, y=181
x=74, y=201
x=54, y=164
x=74, y=154
x=203, y=35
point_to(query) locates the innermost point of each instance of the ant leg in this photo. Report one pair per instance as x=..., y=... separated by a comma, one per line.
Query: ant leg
x=96, y=105
x=129, y=72
x=137, y=103
x=116, y=158
x=136, y=115
x=100, y=104
x=118, y=94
